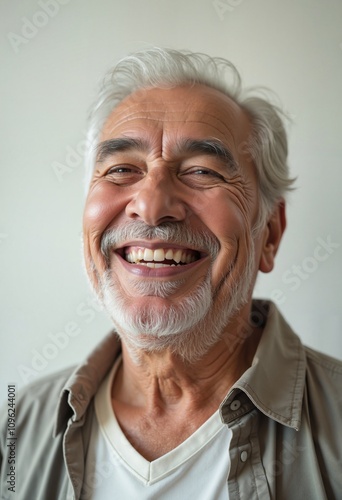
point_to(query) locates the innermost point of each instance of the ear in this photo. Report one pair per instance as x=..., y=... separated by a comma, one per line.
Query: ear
x=272, y=236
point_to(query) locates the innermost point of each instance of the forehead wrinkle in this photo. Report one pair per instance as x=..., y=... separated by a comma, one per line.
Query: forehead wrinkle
x=124, y=106
x=162, y=101
x=215, y=128
x=141, y=114
x=229, y=126
x=127, y=112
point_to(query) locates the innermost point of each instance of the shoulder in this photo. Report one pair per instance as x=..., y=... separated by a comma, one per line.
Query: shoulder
x=323, y=368
x=324, y=385
x=38, y=400
x=43, y=385
x=326, y=362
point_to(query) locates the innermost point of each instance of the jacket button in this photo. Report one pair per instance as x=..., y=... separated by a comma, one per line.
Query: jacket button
x=243, y=456
x=235, y=405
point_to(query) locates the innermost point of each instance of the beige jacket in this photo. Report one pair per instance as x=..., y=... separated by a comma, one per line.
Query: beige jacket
x=285, y=413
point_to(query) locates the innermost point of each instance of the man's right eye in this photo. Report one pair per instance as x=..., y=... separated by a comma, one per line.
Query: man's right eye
x=124, y=174
x=125, y=169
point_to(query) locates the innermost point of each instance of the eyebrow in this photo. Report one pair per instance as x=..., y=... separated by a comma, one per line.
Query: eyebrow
x=209, y=147
x=112, y=146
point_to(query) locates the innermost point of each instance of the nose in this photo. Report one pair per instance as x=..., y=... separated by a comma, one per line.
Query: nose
x=157, y=199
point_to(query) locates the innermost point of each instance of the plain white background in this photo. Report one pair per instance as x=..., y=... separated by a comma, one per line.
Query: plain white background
x=54, y=54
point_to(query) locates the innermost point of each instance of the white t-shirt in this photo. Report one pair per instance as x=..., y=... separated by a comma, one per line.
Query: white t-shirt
x=196, y=469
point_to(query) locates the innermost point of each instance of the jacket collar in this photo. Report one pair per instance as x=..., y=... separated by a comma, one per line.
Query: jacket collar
x=84, y=382
x=275, y=381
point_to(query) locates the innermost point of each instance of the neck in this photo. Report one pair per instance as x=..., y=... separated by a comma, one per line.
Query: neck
x=163, y=380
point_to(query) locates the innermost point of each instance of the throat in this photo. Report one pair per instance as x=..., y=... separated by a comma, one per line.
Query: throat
x=152, y=436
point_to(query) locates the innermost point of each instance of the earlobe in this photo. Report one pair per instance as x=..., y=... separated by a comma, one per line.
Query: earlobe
x=272, y=236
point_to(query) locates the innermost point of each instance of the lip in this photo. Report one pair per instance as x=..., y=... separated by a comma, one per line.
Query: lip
x=153, y=245
x=160, y=272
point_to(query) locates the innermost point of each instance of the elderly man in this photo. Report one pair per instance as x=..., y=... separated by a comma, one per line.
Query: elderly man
x=200, y=392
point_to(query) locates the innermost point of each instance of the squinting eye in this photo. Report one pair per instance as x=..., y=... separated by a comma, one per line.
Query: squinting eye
x=205, y=172
x=201, y=178
x=201, y=171
x=124, y=174
x=121, y=170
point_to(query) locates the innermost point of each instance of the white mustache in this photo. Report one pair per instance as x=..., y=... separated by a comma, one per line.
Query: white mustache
x=178, y=233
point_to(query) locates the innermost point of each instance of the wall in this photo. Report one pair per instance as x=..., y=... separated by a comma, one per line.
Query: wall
x=54, y=53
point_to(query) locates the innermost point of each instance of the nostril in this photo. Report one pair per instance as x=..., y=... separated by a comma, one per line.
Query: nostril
x=155, y=207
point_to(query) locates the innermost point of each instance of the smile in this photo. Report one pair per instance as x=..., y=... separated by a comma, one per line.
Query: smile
x=159, y=257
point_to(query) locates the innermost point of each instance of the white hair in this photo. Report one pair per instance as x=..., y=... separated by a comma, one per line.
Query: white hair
x=167, y=68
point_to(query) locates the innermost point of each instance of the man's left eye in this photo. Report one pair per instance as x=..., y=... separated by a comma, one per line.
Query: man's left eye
x=201, y=178
x=207, y=172
x=203, y=171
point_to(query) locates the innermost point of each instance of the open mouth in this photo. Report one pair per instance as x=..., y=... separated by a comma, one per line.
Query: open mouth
x=159, y=257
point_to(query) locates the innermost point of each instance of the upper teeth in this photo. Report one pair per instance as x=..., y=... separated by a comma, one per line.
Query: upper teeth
x=159, y=255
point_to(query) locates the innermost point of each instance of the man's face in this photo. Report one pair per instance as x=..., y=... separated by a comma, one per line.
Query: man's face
x=170, y=159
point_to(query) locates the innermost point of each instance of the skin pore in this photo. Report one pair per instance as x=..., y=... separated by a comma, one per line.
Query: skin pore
x=165, y=169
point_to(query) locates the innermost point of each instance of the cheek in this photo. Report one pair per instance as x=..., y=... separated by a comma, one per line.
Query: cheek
x=224, y=211
x=229, y=216
x=103, y=204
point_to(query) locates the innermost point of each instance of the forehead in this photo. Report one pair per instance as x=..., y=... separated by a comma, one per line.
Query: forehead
x=165, y=115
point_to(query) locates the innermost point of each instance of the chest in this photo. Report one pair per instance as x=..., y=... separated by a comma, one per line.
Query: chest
x=154, y=435
x=197, y=468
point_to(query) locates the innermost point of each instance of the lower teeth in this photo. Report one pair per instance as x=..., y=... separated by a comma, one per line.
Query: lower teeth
x=154, y=264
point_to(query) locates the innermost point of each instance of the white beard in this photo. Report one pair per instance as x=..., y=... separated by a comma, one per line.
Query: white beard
x=189, y=327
